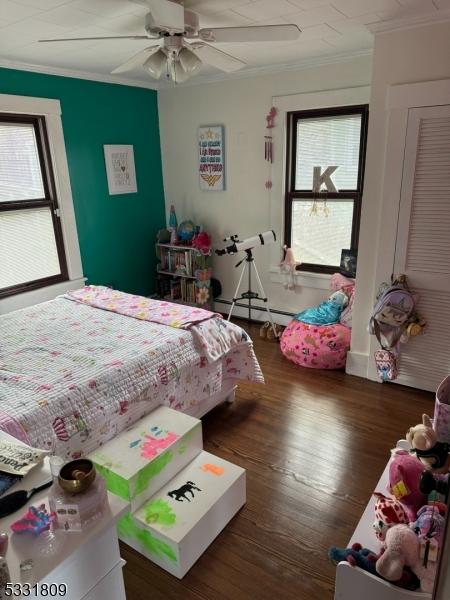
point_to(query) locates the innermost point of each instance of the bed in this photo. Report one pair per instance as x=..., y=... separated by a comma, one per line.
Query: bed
x=72, y=376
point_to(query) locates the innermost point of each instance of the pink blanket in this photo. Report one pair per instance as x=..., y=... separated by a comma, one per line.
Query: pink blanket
x=138, y=307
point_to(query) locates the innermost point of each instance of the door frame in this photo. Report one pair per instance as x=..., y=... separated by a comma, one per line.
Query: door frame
x=400, y=99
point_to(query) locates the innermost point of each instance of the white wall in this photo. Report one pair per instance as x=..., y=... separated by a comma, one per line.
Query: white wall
x=413, y=55
x=245, y=207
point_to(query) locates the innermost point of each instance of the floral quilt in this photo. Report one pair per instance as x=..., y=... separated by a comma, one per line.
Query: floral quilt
x=73, y=376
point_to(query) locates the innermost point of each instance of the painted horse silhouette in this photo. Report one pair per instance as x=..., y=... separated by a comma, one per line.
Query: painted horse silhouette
x=180, y=494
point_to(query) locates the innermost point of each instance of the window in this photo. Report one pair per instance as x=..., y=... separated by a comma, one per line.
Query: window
x=31, y=242
x=322, y=214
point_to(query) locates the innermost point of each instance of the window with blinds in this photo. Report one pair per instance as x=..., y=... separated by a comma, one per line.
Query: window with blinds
x=322, y=220
x=31, y=243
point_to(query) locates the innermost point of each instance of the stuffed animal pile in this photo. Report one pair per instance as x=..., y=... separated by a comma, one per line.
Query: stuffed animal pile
x=409, y=523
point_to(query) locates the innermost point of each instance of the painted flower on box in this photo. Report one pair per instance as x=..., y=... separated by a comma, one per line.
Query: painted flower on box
x=202, y=295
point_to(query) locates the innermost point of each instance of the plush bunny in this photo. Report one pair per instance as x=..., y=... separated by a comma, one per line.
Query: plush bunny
x=403, y=550
x=424, y=443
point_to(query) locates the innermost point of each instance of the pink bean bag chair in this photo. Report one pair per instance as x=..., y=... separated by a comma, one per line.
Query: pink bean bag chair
x=316, y=346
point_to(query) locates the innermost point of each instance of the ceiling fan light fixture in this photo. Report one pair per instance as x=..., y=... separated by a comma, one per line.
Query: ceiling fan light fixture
x=189, y=61
x=156, y=63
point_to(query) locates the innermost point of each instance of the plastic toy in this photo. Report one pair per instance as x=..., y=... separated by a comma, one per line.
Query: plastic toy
x=423, y=440
x=388, y=512
x=36, y=520
x=403, y=550
x=405, y=471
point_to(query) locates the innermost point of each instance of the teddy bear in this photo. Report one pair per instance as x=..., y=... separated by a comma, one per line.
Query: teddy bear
x=424, y=444
x=403, y=550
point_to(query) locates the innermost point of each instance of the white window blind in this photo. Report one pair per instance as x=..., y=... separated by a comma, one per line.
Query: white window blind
x=27, y=246
x=20, y=170
x=327, y=141
x=318, y=238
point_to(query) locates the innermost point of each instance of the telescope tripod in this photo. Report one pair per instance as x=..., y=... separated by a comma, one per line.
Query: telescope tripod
x=248, y=264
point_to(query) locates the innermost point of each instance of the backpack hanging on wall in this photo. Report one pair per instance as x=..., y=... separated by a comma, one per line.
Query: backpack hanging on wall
x=393, y=320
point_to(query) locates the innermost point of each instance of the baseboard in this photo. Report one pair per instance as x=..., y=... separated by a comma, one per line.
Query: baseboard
x=357, y=364
x=258, y=314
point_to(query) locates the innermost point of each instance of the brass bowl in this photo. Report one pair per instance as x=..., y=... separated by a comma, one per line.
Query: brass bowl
x=77, y=476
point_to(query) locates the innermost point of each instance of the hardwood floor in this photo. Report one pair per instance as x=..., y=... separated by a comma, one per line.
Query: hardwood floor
x=314, y=444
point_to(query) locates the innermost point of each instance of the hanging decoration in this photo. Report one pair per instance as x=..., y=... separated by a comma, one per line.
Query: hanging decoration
x=268, y=142
x=322, y=179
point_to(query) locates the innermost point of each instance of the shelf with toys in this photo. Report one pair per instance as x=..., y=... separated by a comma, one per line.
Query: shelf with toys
x=184, y=264
x=403, y=525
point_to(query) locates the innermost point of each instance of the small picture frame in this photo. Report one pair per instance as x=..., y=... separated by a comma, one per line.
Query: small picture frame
x=120, y=169
x=211, y=158
x=349, y=259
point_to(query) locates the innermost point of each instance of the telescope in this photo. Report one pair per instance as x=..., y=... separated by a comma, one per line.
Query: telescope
x=268, y=237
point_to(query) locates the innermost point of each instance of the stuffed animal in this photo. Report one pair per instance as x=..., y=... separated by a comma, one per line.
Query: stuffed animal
x=430, y=522
x=424, y=443
x=405, y=471
x=365, y=559
x=357, y=556
x=403, y=550
x=388, y=512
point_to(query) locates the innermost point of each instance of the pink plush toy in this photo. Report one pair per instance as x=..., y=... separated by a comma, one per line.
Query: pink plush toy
x=403, y=550
x=404, y=478
x=388, y=512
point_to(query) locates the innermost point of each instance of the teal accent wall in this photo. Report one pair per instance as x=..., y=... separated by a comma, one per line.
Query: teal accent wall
x=116, y=233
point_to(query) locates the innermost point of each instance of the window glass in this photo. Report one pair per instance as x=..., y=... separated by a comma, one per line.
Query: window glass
x=20, y=169
x=328, y=141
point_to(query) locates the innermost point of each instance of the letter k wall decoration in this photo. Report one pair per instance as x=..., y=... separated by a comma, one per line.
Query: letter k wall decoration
x=320, y=179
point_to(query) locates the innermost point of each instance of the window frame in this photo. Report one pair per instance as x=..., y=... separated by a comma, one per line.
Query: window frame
x=50, y=201
x=292, y=195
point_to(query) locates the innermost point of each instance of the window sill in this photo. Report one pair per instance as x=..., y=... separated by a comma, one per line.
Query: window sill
x=33, y=297
x=309, y=279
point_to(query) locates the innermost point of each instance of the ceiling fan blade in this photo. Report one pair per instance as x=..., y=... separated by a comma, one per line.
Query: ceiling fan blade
x=136, y=61
x=113, y=37
x=262, y=33
x=217, y=58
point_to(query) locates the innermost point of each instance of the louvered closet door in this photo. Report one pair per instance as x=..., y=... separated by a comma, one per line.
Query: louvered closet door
x=423, y=243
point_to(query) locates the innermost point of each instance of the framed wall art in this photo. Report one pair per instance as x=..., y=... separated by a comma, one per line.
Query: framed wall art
x=120, y=169
x=211, y=154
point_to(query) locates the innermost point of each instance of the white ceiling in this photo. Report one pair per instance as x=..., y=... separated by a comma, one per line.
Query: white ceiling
x=329, y=27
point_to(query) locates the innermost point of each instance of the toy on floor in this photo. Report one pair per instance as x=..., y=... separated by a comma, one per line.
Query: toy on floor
x=405, y=472
x=424, y=444
x=388, y=512
x=366, y=559
x=315, y=338
x=403, y=550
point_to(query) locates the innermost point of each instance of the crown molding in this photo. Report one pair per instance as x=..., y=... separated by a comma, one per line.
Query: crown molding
x=251, y=72
x=439, y=16
x=90, y=76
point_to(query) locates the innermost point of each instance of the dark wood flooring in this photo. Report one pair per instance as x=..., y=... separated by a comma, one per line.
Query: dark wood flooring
x=314, y=444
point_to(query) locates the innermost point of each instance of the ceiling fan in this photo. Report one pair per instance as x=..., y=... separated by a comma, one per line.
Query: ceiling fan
x=183, y=46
